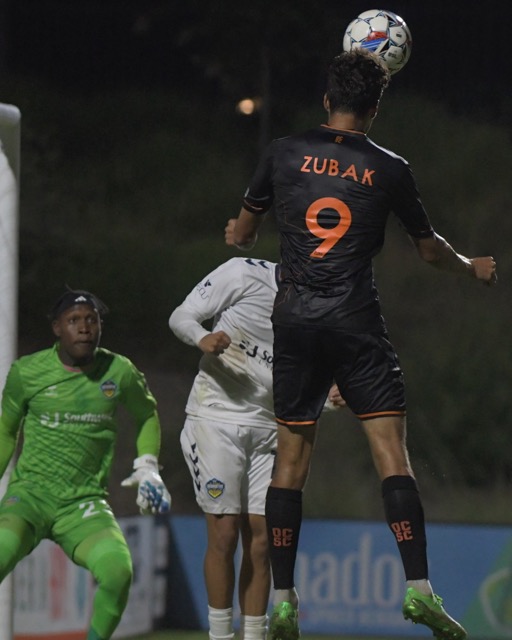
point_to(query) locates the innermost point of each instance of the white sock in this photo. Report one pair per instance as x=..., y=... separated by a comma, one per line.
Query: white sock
x=286, y=595
x=221, y=623
x=423, y=586
x=253, y=627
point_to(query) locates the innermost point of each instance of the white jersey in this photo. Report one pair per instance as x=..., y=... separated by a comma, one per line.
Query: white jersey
x=236, y=386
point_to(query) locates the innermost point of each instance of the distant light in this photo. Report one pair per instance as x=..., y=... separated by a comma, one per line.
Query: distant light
x=248, y=106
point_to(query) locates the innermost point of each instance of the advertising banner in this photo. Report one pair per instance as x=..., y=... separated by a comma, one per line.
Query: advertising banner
x=53, y=597
x=350, y=577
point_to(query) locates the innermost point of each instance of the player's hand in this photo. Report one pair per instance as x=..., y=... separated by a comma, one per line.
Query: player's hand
x=152, y=494
x=334, y=400
x=335, y=397
x=485, y=269
x=215, y=343
x=229, y=232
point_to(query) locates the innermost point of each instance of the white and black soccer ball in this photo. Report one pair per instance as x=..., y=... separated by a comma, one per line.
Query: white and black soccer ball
x=382, y=32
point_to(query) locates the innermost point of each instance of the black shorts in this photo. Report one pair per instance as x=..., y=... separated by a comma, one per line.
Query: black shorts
x=308, y=360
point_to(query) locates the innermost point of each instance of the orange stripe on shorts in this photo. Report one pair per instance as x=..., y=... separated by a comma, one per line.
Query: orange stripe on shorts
x=380, y=414
x=292, y=423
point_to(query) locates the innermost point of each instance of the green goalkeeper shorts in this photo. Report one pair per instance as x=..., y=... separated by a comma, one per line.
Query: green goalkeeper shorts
x=67, y=522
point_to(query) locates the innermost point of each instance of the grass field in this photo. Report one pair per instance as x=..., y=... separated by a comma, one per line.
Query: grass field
x=174, y=634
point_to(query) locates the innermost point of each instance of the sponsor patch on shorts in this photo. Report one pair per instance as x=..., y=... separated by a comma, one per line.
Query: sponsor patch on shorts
x=215, y=488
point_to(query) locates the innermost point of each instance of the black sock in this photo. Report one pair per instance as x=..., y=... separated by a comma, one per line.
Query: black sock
x=283, y=512
x=404, y=515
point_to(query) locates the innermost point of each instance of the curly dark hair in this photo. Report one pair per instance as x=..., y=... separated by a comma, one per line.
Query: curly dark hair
x=355, y=81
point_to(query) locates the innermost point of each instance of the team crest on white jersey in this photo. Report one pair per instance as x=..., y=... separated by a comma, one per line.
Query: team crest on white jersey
x=108, y=388
x=215, y=488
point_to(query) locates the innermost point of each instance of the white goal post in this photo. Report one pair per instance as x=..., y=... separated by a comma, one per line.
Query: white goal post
x=10, y=127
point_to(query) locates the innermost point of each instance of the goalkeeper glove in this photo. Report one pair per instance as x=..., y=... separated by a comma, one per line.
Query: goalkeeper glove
x=152, y=495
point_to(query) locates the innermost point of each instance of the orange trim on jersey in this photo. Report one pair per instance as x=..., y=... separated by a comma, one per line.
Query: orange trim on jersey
x=362, y=133
x=379, y=414
x=292, y=423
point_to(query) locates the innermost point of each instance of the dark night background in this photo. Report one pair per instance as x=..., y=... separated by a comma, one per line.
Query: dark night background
x=215, y=48
x=133, y=157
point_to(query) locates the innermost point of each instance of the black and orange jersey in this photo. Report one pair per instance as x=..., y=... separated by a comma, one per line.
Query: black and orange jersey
x=332, y=192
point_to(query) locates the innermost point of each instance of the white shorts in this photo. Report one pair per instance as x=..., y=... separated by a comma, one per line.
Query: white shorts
x=231, y=465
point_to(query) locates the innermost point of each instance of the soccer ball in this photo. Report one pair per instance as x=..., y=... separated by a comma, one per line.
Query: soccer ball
x=382, y=32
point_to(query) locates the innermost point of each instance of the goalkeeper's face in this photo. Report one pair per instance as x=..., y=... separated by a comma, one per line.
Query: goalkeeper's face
x=78, y=329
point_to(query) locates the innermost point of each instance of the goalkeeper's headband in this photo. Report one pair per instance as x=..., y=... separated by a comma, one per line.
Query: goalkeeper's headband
x=72, y=297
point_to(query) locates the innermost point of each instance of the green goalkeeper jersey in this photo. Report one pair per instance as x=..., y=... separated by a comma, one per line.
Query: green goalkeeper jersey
x=69, y=420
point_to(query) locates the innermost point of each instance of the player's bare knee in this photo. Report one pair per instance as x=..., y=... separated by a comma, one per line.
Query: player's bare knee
x=223, y=543
x=259, y=552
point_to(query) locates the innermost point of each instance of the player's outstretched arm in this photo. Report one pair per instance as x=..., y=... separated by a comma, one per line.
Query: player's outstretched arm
x=152, y=494
x=440, y=254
